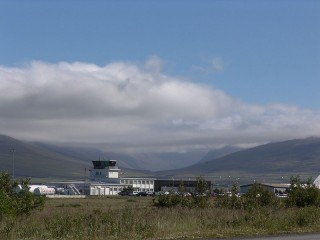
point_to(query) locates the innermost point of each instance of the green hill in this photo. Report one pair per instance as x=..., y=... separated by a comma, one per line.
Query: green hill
x=45, y=161
x=34, y=161
x=273, y=160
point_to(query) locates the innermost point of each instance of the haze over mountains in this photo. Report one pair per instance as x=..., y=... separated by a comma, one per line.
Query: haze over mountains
x=43, y=160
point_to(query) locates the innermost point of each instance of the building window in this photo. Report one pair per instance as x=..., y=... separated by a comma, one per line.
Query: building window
x=130, y=181
x=143, y=182
x=134, y=181
x=139, y=182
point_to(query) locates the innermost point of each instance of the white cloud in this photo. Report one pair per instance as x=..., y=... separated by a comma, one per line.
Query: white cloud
x=217, y=64
x=124, y=105
x=212, y=65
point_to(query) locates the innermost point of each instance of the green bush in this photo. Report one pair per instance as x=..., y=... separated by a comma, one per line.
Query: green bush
x=13, y=203
x=172, y=200
x=198, y=199
x=302, y=194
x=257, y=196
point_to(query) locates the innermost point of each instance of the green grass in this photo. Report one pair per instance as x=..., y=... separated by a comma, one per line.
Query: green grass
x=137, y=218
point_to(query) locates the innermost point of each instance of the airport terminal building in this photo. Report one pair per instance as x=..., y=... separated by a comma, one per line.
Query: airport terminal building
x=104, y=180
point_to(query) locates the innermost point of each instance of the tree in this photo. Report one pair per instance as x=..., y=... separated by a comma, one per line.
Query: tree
x=14, y=203
x=259, y=196
x=201, y=195
x=302, y=194
x=201, y=186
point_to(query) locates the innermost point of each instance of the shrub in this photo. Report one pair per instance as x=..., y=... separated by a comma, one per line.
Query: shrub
x=259, y=196
x=256, y=197
x=302, y=194
x=198, y=199
x=13, y=203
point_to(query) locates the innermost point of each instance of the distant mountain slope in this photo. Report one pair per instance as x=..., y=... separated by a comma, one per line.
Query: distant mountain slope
x=32, y=160
x=285, y=158
x=137, y=161
x=288, y=157
x=88, y=154
x=221, y=152
x=168, y=160
x=37, y=160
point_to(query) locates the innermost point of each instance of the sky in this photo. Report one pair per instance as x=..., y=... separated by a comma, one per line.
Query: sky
x=160, y=75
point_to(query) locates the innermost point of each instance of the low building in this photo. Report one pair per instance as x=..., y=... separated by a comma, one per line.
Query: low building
x=171, y=185
x=273, y=188
x=139, y=184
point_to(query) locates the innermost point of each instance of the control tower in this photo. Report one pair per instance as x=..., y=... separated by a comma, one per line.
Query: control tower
x=105, y=171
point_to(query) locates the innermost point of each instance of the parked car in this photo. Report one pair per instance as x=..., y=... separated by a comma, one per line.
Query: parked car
x=142, y=194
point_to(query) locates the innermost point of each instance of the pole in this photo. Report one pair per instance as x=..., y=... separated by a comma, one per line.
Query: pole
x=12, y=151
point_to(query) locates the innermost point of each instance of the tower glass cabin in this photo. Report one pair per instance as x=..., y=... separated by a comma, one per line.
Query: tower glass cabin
x=105, y=171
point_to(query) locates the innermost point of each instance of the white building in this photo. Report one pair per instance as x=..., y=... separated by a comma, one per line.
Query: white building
x=104, y=180
x=317, y=182
x=140, y=184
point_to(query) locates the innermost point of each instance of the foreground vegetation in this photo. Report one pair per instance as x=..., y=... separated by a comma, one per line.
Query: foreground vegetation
x=198, y=216
x=137, y=218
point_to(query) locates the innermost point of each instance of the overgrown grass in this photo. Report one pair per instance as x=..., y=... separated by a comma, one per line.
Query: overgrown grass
x=137, y=218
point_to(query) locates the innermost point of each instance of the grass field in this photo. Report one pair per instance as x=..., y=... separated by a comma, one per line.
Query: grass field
x=137, y=218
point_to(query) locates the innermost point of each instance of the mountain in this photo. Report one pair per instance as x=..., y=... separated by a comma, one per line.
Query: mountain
x=31, y=160
x=220, y=152
x=39, y=160
x=168, y=160
x=42, y=160
x=292, y=157
x=137, y=161
x=88, y=154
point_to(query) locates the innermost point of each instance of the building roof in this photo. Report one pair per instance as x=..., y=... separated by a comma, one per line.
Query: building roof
x=275, y=185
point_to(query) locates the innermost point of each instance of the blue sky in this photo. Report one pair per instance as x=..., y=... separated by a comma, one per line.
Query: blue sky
x=257, y=52
x=270, y=49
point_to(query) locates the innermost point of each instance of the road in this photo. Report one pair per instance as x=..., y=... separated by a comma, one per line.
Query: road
x=285, y=237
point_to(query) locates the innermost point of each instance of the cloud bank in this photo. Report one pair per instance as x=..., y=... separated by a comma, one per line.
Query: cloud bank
x=128, y=106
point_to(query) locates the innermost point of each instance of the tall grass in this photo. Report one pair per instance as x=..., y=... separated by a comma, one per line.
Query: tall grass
x=137, y=218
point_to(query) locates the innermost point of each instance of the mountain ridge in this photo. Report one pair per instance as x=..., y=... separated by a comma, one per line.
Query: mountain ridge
x=43, y=160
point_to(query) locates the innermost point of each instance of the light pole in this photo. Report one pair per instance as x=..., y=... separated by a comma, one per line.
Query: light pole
x=12, y=151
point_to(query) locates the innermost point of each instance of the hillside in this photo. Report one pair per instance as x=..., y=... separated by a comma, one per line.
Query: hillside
x=221, y=152
x=40, y=160
x=167, y=160
x=37, y=160
x=32, y=160
x=301, y=156
x=88, y=154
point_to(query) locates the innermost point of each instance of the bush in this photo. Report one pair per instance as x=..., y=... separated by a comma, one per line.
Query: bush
x=302, y=194
x=171, y=200
x=256, y=197
x=198, y=199
x=259, y=196
x=13, y=203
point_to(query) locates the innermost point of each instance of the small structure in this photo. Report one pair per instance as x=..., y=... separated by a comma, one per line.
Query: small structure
x=105, y=171
x=39, y=190
x=278, y=188
x=317, y=182
x=167, y=185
